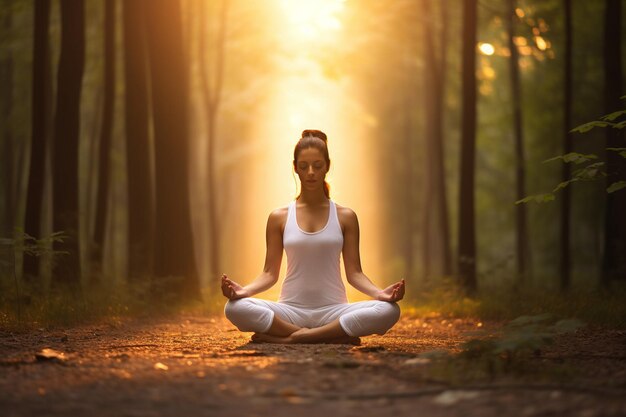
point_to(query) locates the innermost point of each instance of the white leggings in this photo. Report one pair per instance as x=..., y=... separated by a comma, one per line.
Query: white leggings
x=356, y=319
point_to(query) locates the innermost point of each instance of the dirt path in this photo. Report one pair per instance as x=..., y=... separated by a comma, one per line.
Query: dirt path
x=196, y=366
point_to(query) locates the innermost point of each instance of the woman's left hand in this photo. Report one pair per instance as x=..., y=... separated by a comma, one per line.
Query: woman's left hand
x=392, y=293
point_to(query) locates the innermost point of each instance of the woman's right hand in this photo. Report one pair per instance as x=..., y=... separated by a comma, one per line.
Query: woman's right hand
x=232, y=290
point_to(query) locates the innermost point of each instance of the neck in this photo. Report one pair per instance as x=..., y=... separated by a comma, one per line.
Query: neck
x=313, y=198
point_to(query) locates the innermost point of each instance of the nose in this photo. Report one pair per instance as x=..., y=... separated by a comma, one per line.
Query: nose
x=310, y=171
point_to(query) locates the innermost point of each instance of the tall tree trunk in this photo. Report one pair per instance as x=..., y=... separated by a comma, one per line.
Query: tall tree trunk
x=39, y=131
x=614, y=262
x=105, y=134
x=521, y=233
x=407, y=151
x=66, y=135
x=174, y=255
x=565, y=261
x=467, y=233
x=212, y=88
x=436, y=195
x=138, y=145
x=7, y=189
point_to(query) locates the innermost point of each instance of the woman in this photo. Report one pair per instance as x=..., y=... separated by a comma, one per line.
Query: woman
x=313, y=231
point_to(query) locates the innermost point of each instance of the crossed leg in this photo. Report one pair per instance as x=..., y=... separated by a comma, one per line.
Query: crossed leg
x=287, y=323
x=282, y=331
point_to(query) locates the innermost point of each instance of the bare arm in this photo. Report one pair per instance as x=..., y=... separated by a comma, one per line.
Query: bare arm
x=273, y=257
x=352, y=263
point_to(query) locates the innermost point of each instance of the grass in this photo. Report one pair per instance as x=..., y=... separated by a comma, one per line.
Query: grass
x=66, y=307
x=506, y=303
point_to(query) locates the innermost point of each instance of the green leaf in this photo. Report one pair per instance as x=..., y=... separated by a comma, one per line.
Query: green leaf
x=526, y=320
x=616, y=186
x=568, y=325
x=620, y=125
x=520, y=341
x=621, y=151
x=589, y=172
x=574, y=157
x=564, y=184
x=612, y=116
x=537, y=198
x=586, y=127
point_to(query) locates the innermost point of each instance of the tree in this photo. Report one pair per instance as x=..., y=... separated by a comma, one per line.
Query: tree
x=138, y=145
x=105, y=134
x=614, y=261
x=516, y=99
x=40, y=123
x=7, y=188
x=467, y=235
x=174, y=255
x=66, y=133
x=434, y=113
x=565, y=261
x=212, y=81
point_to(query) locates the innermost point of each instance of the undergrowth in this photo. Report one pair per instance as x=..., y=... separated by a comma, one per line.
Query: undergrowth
x=507, y=303
x=64, y=306
x=512, y=351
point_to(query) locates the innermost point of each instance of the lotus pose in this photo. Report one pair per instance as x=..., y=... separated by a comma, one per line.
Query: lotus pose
x=314, y=232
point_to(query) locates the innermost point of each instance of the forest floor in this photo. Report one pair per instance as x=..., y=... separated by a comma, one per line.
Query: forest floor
x=203, y=366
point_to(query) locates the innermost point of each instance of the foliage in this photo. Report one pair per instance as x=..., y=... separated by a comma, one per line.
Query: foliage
x=33, y=246
x=99, y=302
x=502, y=302
x=592, y=171
x=509, y=352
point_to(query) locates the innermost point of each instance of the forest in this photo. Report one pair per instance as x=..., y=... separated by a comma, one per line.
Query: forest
x=481, y=143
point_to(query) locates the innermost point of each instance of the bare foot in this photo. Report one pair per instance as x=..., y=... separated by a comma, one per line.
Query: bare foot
x=266, y=338
x=306, y=335
x=303, y=335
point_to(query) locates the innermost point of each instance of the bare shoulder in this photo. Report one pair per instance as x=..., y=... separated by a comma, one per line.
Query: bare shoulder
x=278, y=218
x=347, y=217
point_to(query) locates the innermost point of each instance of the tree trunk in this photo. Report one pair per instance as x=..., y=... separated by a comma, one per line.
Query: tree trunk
x=174, y=255
x=614, y=262
x=39, y=132
x=467, y=234
x=521, y=233
x=436, y=194
x=212, y=94
x=7, y=179
x=104, y=153
x=66, y=135
x=138, y=145
x=565, y=262
x=409, y=179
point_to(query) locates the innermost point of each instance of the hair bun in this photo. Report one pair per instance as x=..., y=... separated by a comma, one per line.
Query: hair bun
x=315, y=133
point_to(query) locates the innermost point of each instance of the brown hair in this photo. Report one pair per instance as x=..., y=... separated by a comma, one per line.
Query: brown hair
x=313, y=139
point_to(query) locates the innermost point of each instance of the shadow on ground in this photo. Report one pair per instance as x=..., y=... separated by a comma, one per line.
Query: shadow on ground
x=197, y=366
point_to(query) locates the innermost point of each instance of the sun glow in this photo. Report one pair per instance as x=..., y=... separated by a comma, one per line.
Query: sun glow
x=486, y=48
x=312, y=18
x=304, y=96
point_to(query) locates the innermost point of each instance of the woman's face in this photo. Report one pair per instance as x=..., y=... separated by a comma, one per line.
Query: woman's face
x=311, y=168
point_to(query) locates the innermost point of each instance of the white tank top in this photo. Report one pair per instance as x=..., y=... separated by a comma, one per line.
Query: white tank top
x=313, y=276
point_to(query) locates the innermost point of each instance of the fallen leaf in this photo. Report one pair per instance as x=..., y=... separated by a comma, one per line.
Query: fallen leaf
x=48, y=354
x=161, y=366
x=453, y=397
x=417, y=361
